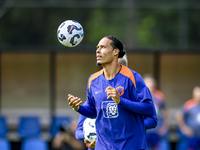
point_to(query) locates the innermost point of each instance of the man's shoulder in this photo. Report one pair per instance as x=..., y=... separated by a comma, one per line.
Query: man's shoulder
x=159, y=95
x=96, y=74
x=128, y=71
x=131, y=74
x=189, y=104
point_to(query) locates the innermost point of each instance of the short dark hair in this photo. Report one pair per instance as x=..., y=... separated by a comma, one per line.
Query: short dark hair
x=117, y=44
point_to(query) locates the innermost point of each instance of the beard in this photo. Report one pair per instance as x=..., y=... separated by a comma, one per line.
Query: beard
x=98, y=64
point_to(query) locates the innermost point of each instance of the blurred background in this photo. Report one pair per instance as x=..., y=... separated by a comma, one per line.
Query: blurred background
x=36, y=72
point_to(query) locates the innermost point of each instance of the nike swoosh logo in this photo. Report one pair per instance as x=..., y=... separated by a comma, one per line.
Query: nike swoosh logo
x=97, y=92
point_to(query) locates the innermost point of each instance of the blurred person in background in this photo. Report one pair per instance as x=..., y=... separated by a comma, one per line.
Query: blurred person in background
x=157, y=138
x=65, y=138
x=123, y=60
x=79, y=133
x=188, y=120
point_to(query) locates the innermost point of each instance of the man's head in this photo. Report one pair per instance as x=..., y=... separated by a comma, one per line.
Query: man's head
x=123, y=60
x=117, y=44
x=150, y=82
x=109, y=49
x=196, y=93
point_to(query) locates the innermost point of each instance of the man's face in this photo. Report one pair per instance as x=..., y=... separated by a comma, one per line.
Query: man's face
x=196, y=94
x=104, y=52
x=150, y=83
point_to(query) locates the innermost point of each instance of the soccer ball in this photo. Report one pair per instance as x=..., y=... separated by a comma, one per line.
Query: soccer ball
x=89, y=129
x=70, y=33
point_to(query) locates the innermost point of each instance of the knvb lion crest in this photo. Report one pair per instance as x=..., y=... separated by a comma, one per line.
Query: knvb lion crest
x=110, y=109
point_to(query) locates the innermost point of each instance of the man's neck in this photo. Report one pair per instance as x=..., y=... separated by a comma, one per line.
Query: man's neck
x=110, y=71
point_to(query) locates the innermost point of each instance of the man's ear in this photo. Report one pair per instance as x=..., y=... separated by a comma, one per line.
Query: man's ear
x=116, y=51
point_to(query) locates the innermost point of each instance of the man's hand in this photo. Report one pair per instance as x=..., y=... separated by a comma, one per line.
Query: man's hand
x=112, y=93
x=74, y=102
x=187, y=131
x=90, y=144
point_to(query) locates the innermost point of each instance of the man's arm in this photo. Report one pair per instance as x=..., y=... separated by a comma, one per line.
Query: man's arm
x=87, y=109
x=79, y=133
x=145, y=108
x=183, y=127
x=150, y=122
x=79, y=130
x=166, y=124
x=143, y=103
